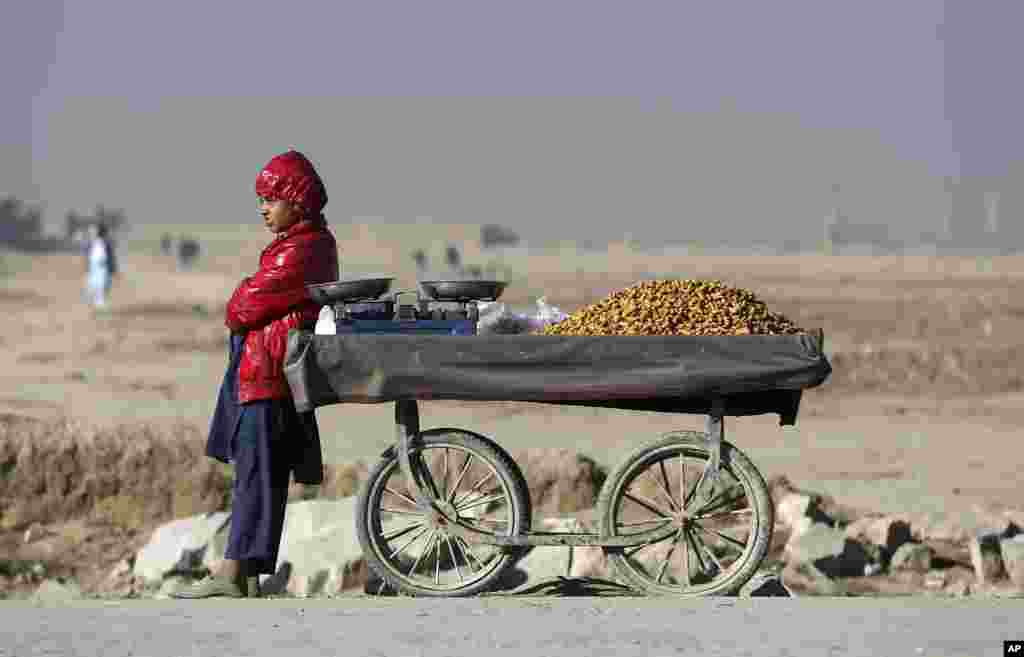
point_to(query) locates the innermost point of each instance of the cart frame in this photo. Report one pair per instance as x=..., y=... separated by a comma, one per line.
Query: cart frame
x=407, y=427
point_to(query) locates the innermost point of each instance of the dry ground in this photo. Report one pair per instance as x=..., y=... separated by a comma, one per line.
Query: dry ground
x=923, y=411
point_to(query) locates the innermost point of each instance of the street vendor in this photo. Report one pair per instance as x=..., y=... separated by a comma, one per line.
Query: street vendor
x=255, y=425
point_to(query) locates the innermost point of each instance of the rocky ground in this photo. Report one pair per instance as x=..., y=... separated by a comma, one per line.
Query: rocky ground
x=93, y=514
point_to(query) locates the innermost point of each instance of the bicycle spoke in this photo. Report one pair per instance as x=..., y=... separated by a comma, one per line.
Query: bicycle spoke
x=686, y=559
x=718, y=501
x=458, y=480
x=400, y=512
x=660, y=521
x=665, y=488
x=467, y=549
x=696, y=487
x=692, y=538
x=711, y=554
x=645, y=503
x=735, y=512
x=474, y=488
x=630, y=551
x=402, y=531
x=428, y=478
x=387, y=489
x=662, y=494
x=486, y=521
x=682, y=482
x=451, y=551
x=408, y=543
x=740, y=545
x=668, y=557
x=482, y=501
x=429, y=546
x=437, y=563
x=444, y=477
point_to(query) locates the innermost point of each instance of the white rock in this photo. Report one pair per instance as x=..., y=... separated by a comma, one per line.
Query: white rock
x=218, y=543
x=986, y=557
x=792, y=511
x=320, y=551
x=829, y=550
x=34, y=533
x=888, y=531
x=817, y=542
x=959, y=589
x=1012, y=551
x=934, y=580
x=180, y=544
x=915, y=557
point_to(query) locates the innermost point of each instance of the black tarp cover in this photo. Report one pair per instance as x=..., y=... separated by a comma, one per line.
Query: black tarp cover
x=754, y=374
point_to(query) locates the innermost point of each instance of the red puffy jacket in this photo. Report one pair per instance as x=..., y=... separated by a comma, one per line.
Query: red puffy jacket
x=274, y=300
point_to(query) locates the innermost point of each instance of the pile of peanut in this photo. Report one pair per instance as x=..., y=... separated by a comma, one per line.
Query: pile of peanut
x=676, y=307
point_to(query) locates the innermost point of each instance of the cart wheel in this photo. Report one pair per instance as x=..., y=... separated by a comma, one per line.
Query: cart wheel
x=720, y=541
x=473, y=479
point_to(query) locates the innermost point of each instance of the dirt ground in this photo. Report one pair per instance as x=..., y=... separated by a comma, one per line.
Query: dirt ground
x=922, y=413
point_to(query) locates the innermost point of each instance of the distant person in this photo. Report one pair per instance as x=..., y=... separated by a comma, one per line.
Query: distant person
x=420, y=258
x=255, y=425
x=188, y=251
x=165, y=244
x=452, y=257
x=100, y=265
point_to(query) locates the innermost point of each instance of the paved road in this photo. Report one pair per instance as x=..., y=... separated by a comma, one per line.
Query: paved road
x=524, y=626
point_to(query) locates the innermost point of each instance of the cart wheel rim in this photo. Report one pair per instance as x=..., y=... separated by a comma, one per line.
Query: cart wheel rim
x=423, y=553
x=716, y=536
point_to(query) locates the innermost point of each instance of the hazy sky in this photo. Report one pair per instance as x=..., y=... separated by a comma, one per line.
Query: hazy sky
x=555, y=115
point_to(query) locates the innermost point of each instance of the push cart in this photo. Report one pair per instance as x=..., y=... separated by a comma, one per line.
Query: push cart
x=445, y=511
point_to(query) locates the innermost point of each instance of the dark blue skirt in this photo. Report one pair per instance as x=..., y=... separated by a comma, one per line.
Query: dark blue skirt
x=296, y=435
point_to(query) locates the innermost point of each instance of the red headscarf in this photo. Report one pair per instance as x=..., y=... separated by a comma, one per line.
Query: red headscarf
x=291, y=177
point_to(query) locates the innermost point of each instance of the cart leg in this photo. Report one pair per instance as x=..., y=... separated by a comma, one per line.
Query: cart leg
x=715, y=430
x=407, y=425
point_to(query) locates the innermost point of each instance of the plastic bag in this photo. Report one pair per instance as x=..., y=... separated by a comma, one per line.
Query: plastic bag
x=497, y=319
x=325, y=322
x=546, y=315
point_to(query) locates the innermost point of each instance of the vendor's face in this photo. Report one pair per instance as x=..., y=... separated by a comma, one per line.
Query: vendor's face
x=278, y=216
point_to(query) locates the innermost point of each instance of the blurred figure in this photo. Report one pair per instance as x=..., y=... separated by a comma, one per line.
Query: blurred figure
x=452, y=258
x=100, y=266
x=188, y=251
x=420, y=258
x=166, y=244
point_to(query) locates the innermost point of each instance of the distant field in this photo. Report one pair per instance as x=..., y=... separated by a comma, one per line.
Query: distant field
x=920, y=345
